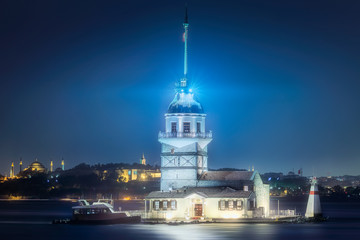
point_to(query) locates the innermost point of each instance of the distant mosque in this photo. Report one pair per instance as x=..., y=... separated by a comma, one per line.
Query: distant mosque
x=188, y=190
x=35, y=167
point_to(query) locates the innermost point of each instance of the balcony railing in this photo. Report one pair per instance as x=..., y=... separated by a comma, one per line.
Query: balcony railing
x=185, y=135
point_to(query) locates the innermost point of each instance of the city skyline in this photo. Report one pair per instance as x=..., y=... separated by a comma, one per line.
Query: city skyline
x=92, y=83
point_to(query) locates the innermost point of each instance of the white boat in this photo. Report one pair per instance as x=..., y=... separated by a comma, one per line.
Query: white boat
x=101, y=212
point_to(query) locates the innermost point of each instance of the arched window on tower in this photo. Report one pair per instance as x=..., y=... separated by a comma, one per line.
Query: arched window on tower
x=173, y=127
x=186, y=127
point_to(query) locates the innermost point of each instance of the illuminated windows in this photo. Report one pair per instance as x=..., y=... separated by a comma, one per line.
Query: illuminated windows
x=222, y=204
x=156, y=205
x=231, y=205
x=235, y=204
x=239, y=205
x=173, y=127
x=173, y=204
x=164, y=205
x=186, y=127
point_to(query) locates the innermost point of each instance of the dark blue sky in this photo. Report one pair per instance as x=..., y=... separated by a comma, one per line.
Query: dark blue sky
x=90, y=81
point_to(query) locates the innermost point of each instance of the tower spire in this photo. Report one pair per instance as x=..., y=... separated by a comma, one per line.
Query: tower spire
x=143, y=160
x=186, y=29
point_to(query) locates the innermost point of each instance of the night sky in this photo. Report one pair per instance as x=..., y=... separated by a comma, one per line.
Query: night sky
x=90, y=81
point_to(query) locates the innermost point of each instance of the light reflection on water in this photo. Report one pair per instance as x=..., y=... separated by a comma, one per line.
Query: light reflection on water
x=210, y=231
x=19, y=219
x=330, y=230
x=249, y=231
x=179, y=232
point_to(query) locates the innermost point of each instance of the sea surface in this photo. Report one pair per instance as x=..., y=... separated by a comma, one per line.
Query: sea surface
x=31, y=219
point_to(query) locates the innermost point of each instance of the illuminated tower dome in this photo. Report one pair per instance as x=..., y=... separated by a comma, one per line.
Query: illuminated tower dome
x=184, y=102
x=184, y=142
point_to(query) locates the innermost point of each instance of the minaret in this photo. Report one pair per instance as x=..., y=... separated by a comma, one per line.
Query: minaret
x=20, y=165
x=143, y=160
x=12, y=172
x=62, y=164
x=313, y=208
x=184, y=142
x=51, y=166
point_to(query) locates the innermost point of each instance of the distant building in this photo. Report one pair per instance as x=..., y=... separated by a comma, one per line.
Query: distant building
x=291, y=175
x=33, y=168
x=2, y=178
x=126, y=175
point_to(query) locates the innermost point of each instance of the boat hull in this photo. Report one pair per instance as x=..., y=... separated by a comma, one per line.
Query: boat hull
x=110, y=220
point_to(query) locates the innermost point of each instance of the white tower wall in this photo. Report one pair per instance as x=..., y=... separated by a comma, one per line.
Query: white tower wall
x=262, y=194
x=182, y=161
x=313, y=208
x=174, y=178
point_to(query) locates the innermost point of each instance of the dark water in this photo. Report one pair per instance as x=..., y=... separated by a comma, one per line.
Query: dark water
x=31, y=220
